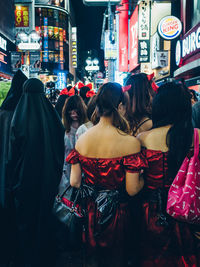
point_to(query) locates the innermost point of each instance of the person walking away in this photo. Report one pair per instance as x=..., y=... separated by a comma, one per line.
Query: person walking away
x=110, y=161
x=7, y=222
x=140, y=99
x=35, y=163
x=165, y=241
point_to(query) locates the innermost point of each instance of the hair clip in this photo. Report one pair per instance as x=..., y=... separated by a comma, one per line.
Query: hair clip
x=126, y=88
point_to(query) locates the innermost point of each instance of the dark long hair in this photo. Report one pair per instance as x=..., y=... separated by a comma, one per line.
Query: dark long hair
x=73, y=103
x=108, y=98
x=141, y=91
x=172, y=106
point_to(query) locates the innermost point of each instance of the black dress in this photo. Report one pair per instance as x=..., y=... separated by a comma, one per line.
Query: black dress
x=7, y=221
x=36, y=157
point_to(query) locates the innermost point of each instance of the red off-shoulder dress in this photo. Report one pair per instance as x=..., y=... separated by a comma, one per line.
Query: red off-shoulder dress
x=108, y=174
x=171, y=245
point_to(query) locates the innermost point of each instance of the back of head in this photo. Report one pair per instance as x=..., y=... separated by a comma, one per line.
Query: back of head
x=74, y=103
x=83, y=92
x=91, y=107
x=172, y=106
x=33, y=85
x=15, y=91
x=108, y=98
x=140, y=95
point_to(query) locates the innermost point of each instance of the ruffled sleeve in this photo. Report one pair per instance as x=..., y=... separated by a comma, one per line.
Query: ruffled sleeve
x=73, y=157
x=135, y=162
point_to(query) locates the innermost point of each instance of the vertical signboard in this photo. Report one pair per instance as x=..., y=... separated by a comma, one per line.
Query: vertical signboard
x=74, y=47
x=110, y=47
x=133, y=49
x=144, y=32
x=45, y=43
x=16, y=61
x=61, y=48
x=21, y=16
x=35, y=63
x=123, y=36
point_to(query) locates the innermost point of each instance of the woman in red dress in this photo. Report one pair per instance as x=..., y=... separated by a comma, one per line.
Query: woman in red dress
x=165, y=241
x=111, y=161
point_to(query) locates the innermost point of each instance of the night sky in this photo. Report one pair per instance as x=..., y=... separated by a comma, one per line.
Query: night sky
x=89, y=23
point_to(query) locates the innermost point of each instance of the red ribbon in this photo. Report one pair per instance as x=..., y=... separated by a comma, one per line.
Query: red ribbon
x=64, y=91
x=90, y=93
x=126, y=88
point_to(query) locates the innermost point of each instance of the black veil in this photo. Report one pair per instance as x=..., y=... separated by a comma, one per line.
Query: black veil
x=7, y=222
x=36, y=158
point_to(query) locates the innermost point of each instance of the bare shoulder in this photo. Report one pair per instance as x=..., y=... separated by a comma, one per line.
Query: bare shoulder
x=142, y=137
x=130, y=145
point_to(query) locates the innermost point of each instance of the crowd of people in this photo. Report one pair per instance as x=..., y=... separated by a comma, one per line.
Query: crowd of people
x=126, y=141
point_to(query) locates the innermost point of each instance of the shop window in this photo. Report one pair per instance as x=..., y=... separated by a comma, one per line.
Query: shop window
x=195, y=13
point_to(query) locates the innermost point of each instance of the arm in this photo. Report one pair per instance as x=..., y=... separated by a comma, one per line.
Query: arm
x=75, y=176
x=134, y=183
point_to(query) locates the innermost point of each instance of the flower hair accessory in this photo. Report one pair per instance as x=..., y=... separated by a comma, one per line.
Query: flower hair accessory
x=126, y=88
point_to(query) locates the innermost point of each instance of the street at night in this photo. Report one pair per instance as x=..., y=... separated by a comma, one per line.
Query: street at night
x=99, y=133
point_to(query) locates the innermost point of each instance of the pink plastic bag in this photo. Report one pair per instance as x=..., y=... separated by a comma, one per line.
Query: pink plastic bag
x=184, y=194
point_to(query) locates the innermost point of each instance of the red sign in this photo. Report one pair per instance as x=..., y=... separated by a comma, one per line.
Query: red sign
x=133, y=49
x=123, y=36
x=21, y=16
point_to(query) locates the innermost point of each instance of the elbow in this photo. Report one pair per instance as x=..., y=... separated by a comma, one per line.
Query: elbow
x=133, y=191
x=75, y=184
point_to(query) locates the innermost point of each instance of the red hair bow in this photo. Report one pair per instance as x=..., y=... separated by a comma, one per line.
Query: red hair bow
x=153, y=84
x=64, y=91
x=71, y=92
x=89, y=85
x=90, y=93
x=80, y=85
x=126, y=88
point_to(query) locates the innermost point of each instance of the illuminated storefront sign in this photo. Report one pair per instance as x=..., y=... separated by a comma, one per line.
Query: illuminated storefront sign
x=123, y=36
x=133, y=49
x=144, y=32
x=169, y=27
x=61, y=80
x=189, y=45
x=74, y=47
x=110, y=46
x=21, y=16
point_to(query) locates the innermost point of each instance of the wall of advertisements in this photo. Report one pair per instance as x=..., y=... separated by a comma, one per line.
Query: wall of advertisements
x=52, y=26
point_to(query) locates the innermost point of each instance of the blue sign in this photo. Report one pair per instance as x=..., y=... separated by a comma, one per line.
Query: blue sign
x=61, y=81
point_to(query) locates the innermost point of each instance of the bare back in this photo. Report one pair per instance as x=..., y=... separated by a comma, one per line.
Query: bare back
x=106, y=142
x=155, y=139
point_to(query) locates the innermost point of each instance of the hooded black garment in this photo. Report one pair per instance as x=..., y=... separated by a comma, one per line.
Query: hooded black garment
x=7, y=218
x=36, y=158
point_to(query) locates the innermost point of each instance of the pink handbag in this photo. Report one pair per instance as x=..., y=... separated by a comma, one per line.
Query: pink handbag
x=184, y=194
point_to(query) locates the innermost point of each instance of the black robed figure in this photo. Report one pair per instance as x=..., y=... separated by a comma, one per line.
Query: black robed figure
x=36, y=158
x=7, y=218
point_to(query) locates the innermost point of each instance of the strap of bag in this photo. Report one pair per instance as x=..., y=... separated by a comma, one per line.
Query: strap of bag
x=64, y=191
x=196, y=142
